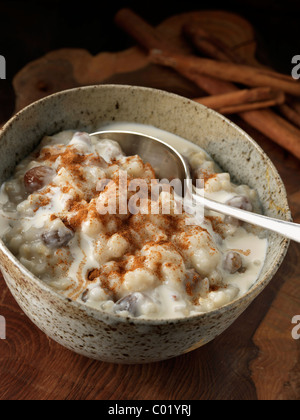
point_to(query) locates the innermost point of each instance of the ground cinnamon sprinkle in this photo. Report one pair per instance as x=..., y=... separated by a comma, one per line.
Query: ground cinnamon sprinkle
x=42, y=199
x=70, y=159
x=129, y=227
x=191, y=284
x=189, y=289
x=138, y=262
x=78, y=212
x=42, y=202
x=121, y=269
x=217, y=224
x=66, y=189
x=74, y=221
x=246, y=253
x=206, y=176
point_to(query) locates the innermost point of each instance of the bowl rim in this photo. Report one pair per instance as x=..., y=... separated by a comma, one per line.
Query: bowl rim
x=96, y=313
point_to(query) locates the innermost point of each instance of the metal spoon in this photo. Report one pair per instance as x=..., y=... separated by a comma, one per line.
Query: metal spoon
x=170, y=164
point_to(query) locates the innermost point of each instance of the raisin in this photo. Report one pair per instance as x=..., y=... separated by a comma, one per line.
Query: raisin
x=192, y=282
x=240, y=202
x=229, y=220
x=57, y=238
x=130, y=304
x=233, y=262
x=37, y=178
x=85, y=296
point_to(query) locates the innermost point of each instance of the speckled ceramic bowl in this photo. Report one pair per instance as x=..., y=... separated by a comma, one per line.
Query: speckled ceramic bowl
x=112, y=338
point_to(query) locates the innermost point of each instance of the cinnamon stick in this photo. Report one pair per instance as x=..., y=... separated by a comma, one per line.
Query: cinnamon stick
x=294, y=103
x=275, y=127
x=239, y=73
x=290, y=114
x=265, y=121
x=243, y=100
x=141, y=31
x=236, y=109
x=290, y=110
x=211, y=46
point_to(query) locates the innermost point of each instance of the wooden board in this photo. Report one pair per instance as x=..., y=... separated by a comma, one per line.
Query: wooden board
x=256, y=358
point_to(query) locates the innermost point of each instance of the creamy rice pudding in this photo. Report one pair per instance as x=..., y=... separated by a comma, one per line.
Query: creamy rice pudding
x=128, y=263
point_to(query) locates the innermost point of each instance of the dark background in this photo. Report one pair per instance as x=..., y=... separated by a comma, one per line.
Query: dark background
x=29, y=29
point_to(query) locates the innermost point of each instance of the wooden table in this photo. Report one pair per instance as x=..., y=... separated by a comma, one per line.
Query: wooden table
x=256, y=358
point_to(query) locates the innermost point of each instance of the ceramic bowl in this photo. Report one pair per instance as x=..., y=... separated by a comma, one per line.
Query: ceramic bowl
x=112, y=338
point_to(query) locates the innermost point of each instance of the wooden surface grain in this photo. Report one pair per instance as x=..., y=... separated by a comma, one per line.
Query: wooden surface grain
x=256, y=358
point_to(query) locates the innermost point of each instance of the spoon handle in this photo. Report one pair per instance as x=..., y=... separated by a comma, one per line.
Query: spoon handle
x=287, y=229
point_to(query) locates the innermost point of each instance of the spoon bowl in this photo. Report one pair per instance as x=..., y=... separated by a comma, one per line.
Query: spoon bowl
x=164, y=159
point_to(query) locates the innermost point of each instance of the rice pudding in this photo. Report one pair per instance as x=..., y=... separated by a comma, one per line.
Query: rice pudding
x=131, y=263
